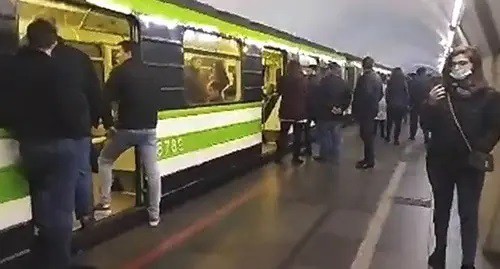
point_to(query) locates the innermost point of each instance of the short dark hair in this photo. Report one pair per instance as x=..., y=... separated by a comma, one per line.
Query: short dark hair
x=421, y=71
x=130, y=46
x=368, y=63
x=41, y=34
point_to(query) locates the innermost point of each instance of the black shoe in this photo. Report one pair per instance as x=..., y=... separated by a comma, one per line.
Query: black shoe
x=83, y=267
x=87, y=221
x=364, y=165
x=438, y=260
x=396, y=143
x=468, y=267
x=387, y=139
x=306, y=153
x=297, y=161
x=319, y=159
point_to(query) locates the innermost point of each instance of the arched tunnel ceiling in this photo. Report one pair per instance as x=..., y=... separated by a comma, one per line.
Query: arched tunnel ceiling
x=395, y=32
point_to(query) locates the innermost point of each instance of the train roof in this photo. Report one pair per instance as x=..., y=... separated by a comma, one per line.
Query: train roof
x=205, y=17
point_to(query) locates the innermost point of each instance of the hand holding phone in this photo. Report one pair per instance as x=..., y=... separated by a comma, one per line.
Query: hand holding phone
x=437, y=93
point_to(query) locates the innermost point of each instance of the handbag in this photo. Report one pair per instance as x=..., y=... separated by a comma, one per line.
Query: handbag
x=481, y=161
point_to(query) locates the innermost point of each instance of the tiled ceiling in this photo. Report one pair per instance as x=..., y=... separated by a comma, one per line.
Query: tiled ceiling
x=396, y=32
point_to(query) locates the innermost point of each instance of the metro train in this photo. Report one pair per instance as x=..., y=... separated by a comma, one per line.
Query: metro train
x=185, y=45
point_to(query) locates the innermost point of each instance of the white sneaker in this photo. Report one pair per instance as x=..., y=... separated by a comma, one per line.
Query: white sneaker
x=153, y=222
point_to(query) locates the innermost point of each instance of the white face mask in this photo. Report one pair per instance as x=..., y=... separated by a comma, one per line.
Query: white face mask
x=461, y=67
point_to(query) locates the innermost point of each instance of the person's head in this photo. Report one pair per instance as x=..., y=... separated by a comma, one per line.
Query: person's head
x=421, y=71
x=294, y=68
x=464, y=64
x=397, y=75
x=334, y=69
x=128, y=50
x=42, y=35
x=368, y=63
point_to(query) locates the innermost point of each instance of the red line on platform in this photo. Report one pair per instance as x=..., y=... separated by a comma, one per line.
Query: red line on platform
x=192, y=230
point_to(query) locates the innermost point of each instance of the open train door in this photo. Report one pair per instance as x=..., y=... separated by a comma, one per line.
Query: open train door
x=274, y=67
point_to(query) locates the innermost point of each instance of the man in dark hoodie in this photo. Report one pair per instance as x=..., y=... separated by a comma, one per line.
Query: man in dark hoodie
x=81, y=77
x=51, y=120
x=419, y=89
x=367, y=95
x=333, y=97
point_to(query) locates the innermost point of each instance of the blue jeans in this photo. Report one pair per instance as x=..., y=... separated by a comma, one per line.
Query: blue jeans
x=52, y=170
x=146, y=141
x=330, y=139
x=84, y=199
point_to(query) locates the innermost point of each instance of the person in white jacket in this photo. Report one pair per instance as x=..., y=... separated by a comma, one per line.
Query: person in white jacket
x=380, y=119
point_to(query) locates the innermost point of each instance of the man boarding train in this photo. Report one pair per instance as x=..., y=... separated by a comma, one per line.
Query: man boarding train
x=52, y=101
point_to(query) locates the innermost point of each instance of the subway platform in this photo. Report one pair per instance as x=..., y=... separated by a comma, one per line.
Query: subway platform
x=315, y=216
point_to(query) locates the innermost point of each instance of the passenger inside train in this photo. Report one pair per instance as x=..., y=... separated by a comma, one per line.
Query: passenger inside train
x=176, y=135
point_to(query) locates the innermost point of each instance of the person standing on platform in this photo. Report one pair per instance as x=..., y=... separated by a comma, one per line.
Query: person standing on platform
x=312, y=89
x=381, y=118
x=50, y=119
x=367, y=95
x=333, y=97
x=397, y=103
x=293, y=110
x=419, y=89
x=463, y=115
x=133, y=87
x=82, y=77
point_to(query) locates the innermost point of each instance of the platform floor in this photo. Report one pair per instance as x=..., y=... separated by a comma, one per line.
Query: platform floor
x=315, y=216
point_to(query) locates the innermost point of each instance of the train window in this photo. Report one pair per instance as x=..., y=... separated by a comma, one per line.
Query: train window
x=211, y=79
x=253, y=63
x=153, y=30
x=160, y=52
x=210, y=43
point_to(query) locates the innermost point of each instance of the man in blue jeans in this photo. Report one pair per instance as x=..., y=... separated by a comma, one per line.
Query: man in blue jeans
x=132, y=86
x=332, y=99
x=51, y=121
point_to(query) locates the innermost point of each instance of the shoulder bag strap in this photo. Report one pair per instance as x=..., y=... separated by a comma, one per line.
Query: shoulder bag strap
x=457, y=123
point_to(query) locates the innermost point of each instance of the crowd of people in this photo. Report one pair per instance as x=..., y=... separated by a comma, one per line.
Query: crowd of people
x=54, y=98
x=458, y=112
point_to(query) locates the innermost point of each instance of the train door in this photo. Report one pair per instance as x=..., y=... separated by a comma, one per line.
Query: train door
x=273, y=62
x=96, y=34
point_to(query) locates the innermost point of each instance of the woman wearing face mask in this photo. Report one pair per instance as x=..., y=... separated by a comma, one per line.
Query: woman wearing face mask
x=463, y=116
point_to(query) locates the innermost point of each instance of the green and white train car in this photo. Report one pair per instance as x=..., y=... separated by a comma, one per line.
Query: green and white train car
x=203, y=132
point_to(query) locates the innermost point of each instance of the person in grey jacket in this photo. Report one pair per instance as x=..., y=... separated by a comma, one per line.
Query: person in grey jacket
x=367, y=95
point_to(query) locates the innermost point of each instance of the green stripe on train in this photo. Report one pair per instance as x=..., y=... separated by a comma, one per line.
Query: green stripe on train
x=12, y=184
x=179, y=113
x=177, y=145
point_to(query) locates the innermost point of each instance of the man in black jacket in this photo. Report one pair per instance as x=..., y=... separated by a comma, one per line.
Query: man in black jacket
x=419, y=88
x=132, y=85
x=332, y=98
x=367, y=95
x=50, y=118
x=80, y=76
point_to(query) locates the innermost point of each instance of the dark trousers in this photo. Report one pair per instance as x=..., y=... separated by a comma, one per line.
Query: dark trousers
x=379, y=124
x=52, y=170
x=394, y=117
x=307, y=137
x=415, y=120
x=84, y=189
x=366, y=133
x=444, y=176
x=283, y=139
